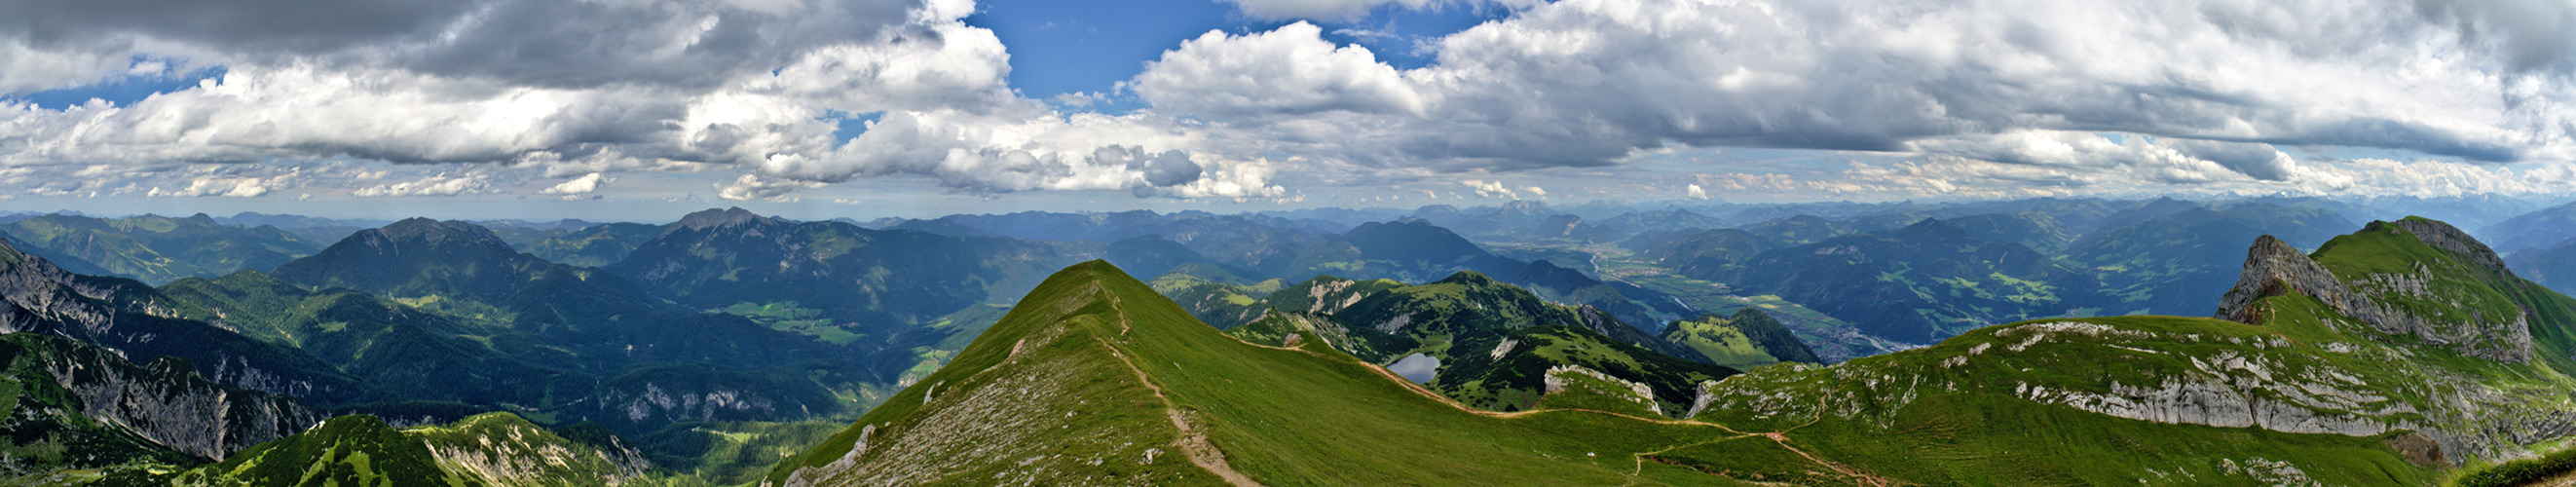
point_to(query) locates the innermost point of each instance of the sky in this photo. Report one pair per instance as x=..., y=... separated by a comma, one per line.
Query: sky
x=645, y=109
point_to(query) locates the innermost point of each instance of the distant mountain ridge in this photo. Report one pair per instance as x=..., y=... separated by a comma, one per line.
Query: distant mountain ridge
x=157, y=249
x=486, y=324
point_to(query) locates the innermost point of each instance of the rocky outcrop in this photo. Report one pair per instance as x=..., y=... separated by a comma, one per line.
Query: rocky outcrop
x=166, y=402
x=503, y=449
x=2273, y=268
x=1559, y=377
x=2212, y=403
x=137, y=324
x=711, y=404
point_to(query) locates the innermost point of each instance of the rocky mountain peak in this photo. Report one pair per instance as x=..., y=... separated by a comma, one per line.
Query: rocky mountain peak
x=2274, y=268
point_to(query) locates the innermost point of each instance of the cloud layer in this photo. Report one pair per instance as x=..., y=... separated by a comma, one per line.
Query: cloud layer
x=574, y=88
x=1588, y=82
x=778, y=96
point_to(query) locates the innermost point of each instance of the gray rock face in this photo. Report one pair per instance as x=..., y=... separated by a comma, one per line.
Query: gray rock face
x=166, y=402
x=2273, y=268
x=136, y=323
x=681, y=403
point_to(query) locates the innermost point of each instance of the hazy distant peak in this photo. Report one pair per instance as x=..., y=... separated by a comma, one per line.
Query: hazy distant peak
x=1933, y=229
x=713, y=218
x=437, y=232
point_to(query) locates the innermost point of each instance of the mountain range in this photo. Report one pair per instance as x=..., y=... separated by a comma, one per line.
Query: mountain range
x=2332, y=367
x=1618, y=345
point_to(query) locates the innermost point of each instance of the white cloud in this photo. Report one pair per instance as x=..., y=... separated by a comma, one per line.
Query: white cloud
x=1353, y=9
x=1490, y=189
x=438, y=185
x=757, y=187
x=654, y=102
x=579, y=188
x=2009, y=97
x=1284, y=72
x=1035, y=149
x=1587, y=82
x=1697, y=193
x=229, y=187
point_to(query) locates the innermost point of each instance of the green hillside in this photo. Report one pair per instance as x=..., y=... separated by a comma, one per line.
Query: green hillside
x=1749, y=338
x=158, y=249
x=495, y=449
x=431, y=310
x=1920, y=283
x=1164, y=399
x=595, y=246
x=1494, y=341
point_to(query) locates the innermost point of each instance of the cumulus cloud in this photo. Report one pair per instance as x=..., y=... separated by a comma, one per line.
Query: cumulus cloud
x=1284, y=72
x=2042, y=96
x=580, y=187
x=438, y=185
x=1695, y=192
x=567, y=87
x=692, y=43
x=230, y=187
x=757, y=187
x=1036, y=149
x=1352, y=9
x=1587, y=82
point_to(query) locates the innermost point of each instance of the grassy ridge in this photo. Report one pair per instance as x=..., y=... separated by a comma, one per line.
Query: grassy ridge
x=2531, y=471
x=1310, y=414
x=1962, y=404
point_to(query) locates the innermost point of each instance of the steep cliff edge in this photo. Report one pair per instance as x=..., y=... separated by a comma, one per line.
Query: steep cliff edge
x=139, y=324
x=85, y=399
x=2414, y=280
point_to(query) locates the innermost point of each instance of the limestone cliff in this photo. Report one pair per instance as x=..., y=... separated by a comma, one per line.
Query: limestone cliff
x=165, y=402
x=2447, y=300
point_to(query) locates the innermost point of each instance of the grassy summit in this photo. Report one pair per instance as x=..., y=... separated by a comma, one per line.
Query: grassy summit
x=1096, y=379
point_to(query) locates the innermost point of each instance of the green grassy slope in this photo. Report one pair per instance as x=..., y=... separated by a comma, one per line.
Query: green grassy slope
x=348, y=450
x=493, y=449
x=597, y=246
x=2025, y=403
x=447, y=311
x=1920, y=283
x=1154, y=379
x=1749, y=338
x=1494, y=340
x=159, y=249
